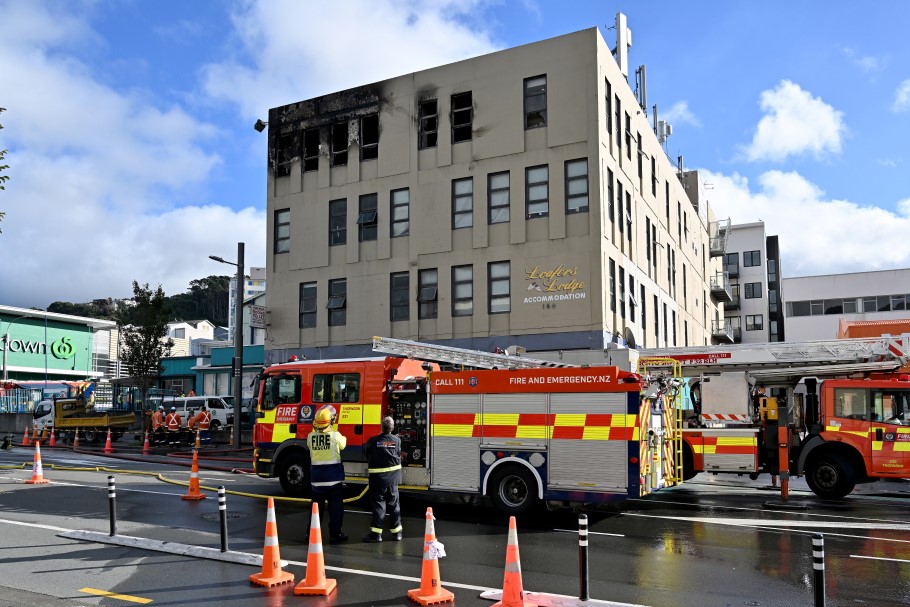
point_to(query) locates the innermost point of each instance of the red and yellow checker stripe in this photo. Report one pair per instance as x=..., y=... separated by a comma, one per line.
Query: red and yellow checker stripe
x=577, y=426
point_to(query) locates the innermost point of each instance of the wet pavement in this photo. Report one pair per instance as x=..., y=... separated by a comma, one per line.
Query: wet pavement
x=717, y=540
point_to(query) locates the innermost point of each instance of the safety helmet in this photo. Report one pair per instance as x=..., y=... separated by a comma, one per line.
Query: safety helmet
x=173, y=408
x=325, y=417
x=161, y=407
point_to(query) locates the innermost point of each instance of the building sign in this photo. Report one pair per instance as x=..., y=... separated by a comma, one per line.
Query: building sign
x=257, y=317
x=548, y=284
x=31, y=344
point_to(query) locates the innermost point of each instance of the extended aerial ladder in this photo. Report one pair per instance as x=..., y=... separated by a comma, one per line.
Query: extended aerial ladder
x=460, y=356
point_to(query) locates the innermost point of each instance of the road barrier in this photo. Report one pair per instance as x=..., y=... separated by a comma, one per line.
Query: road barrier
x=583, y=557
x=112, y=503
x=818, y=565
x=222, y=514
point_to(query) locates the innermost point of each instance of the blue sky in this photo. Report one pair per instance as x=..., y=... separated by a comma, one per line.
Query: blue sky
x=132, y=153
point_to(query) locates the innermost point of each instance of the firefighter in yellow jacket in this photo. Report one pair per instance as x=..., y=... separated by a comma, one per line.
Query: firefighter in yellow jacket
x=326, y=470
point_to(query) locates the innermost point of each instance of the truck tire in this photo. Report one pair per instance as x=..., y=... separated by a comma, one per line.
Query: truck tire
x=830, y=476
x=90, y=435
x=293, y=473
x=513, y=489
x=688, y=463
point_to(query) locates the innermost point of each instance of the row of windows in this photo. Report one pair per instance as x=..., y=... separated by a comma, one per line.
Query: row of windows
x=750, y=259
x=851, y=305
x=754, y=322
x=537, y=204
x=427, y=295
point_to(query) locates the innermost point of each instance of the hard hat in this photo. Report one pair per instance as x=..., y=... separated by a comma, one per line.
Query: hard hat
x=173, y=408
x=161, y=407
x=324, y=417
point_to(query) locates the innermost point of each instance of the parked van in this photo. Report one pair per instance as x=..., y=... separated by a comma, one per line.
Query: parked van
x=188, y=406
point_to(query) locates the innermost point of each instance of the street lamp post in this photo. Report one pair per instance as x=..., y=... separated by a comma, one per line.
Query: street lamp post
x=237, y=367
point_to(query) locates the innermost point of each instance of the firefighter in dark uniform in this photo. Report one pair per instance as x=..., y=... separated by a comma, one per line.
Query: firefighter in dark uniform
x=326, y=469
x=383, y=454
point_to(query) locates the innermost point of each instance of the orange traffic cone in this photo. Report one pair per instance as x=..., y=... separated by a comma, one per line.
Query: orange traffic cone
x=37, y=470
x=146, y=450
x=198, y=445
x=76, y=440
x=512, y=592
x=315, y=582
x=193, y=493
x=431, y=590
x=53, y=442
x=34, y=432
x=271, y=574
x=107, y=445
x=25, y=437
x=231, y=441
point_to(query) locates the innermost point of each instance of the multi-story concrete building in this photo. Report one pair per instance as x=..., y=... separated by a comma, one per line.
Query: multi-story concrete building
x=816, y=304
x=517, y=198
x=752, y=263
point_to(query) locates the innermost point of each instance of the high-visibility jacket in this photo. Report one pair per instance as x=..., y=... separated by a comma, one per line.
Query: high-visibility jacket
x=325, y=448
x=173, y=421
x=157, y=420
x=203, y=418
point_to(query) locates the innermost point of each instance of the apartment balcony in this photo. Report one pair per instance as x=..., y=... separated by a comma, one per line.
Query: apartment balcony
x=733, y=304
x=721, y=332
x=720, y=288
x=717, y=237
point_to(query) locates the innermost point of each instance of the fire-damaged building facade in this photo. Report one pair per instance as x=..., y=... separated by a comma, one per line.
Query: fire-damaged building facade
x=518, y=198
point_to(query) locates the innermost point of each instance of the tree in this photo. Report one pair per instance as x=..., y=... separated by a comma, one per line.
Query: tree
x=3, y=167
x=142, y=335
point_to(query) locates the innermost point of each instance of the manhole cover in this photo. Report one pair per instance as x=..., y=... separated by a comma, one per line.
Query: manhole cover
x=210, y=516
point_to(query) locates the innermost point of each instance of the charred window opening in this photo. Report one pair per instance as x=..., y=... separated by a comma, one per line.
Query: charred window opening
x=287, y=151
x=369, y=137
x=311, y=150
x=535, y=102
x=339, y=144
x=462, y=117
x=428, y=123
x=368, y=218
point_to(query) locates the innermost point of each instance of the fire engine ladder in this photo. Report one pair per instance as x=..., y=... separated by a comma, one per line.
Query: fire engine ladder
x=459, y=356
x=651, y=365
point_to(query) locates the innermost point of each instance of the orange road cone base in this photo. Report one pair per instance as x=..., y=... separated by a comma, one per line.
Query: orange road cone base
x=285, y=577
x=441, y=595
x=37, y=481
x=191, y=496
x=323, y=589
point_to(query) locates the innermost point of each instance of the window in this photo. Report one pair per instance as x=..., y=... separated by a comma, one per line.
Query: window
x=648, y=242
x=307, y=305
x=427, y=293
x=617, y=124
x=499, y=287
x=369, y=137
x=311, y=149
x=577, y=186
x=612, y=286
x=462, y=203
x=619, y=198
x=752, y=290
x=628, y=136
x=644, y=315
x=283, y=231
x=339, y=144
x=367, y=219
x=610, y=209
x=537, y=191
x=667, y=201
x=399, y=296
x=731, y=264
x=890, y=406
x=622, y=292
x=462, y=117
x=535, y=102
x=653, y=177
x=400, y=201
x=288, y=149
x=337, y=304
x=462, y=290
x=657, y=319
x=852, y=403
x=428, y=124
x=608, y=101
x=772, y=301
x=629, y=215
x=754, y=322
x=898, y=302
x=751, y=259
x=180, y=333
x=498, y=196
x=641, y=170
x=631, y=297
x=338, y=222
x=336, y=388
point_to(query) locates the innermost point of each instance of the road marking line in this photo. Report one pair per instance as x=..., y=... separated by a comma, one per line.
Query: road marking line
x=113, y=595
x=575, y=531
x=759, y=522
x=878, y=558
x=35, y=525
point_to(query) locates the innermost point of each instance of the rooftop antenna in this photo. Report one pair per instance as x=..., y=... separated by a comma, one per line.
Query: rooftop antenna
x=623, y=44
x=641, y=88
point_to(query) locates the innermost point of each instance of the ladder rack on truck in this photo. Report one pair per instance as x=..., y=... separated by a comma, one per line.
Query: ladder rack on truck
x=460, y=356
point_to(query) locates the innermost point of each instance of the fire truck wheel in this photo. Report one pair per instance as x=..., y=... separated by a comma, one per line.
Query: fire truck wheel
x=830, y=476
x=514, y=489
x=293, y=473
x=688, y=462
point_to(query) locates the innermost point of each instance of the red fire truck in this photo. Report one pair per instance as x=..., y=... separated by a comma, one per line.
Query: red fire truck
x=523, y=433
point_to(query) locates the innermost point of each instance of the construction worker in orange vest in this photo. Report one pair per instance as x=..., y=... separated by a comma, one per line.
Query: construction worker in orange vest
x=173, y=422
x=158, y=427
x=203, y=419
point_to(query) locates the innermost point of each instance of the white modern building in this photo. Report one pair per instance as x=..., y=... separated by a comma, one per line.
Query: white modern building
x=188, y=336
x=253, y=284
x=815, y=305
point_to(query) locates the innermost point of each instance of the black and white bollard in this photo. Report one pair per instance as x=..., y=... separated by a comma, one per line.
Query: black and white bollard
x=583, y=556
x=818, y=564
x=222, y=511
x=112, y=501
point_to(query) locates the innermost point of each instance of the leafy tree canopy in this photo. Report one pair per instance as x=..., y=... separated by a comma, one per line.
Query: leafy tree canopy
x=143, y=329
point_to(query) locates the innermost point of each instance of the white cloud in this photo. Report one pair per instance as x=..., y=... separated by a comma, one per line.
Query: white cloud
x=866, y=63
x=98, y=175
x=902, y=97
x=818, y=235
x=795, y=123
x=679, y=113
x=346, y=44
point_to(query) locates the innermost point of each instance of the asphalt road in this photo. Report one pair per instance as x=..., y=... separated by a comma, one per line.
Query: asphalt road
x=713, y=541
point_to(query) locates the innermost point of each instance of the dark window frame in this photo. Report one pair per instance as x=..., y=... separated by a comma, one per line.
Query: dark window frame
x=428, y=293
x=337, y=302
x=750, y=288
x=529, y=184
x=427, y=124
x=751, y=259
x=368, y=218
x=465, y=216
x=399, y=296
x=535, y=112
x=751, y=324
x=307, y=305
x=569, y=180
x=462, y=117
x=399, y=226
x=492, y=306
x=338, y=222
x=282, y=242
x=499, y=212
x=462, y=305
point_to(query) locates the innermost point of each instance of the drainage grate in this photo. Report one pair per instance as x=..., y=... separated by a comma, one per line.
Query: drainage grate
x=211, y=516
